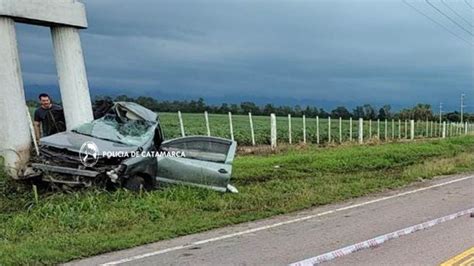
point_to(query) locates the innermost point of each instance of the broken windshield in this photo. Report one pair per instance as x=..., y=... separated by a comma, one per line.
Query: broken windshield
x=131, y=132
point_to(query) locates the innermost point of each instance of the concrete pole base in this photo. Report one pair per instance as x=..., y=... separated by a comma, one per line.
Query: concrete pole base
x=15, y=138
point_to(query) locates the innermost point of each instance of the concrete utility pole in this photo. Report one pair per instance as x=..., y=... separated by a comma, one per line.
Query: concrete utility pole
x=65, y=18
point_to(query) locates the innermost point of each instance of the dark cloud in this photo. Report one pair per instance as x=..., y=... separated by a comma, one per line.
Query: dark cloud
x=315, y=51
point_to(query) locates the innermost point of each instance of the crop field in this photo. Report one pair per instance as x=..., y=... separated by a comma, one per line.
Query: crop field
x=194, y=124
x=55, y=227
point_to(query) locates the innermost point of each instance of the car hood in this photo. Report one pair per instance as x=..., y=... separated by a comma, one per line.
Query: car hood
x=73, y=142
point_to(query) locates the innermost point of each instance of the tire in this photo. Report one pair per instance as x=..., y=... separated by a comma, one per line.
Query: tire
x=136, y=183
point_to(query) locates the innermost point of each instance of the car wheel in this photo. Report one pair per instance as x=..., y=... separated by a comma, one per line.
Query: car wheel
x=136, y=183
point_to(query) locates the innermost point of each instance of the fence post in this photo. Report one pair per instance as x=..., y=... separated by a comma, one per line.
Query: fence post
x=406, y=129
x=350, y=129
x=444, y=130
x=273, y=131
x=393, y=129
x=412, y=129
x=289, y=128
x=378, y=129
x=206, y=117
x=386, y=127
x=427, y=128
x=181, y=126
x=431, y=129
x=361, y=130
x=252, y=133
x=317, y=129
x=304, y=129
x=231, y=127
x=329, y=129
x=370, y=129
x=340, y=129
x=399, y=129
x=465, y=128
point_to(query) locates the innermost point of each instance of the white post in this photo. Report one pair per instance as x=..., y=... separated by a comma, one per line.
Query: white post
x=304, y=129
x=399, y=129
x=208, y=128
x=329, y=129
x=370, y=129
x=289, y=128
x=412, y=129
x=350, y=129
x=378, y=128
x=273, y=131
x=465, y=128
x=181, y=125
x=15, y=139
x=444, y=129
x=427, y=128
x=72, y=76
x=361, y=130
x=431, y=128
x=406, y=129
x=393, y=129
x=317, y=129
x=32, y=130
x=386, y=127
x=340, y=130
x=231, y=127
x=252, y=133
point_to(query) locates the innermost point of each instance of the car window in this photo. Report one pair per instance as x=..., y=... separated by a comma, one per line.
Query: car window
x=200, y=149
x=132, y=132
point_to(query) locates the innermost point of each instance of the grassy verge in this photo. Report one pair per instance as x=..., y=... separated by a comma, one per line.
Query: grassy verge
x=61, y=227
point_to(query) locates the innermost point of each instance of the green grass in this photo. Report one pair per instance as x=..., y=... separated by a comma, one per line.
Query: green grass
x=61, y=226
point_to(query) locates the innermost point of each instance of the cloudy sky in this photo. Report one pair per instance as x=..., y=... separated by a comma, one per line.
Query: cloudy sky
x=322, y=53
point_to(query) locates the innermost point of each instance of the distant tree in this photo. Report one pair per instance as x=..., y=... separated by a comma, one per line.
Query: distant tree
x=358, y=112
x=322, y=113
x=340, y=111
x=384, y=112
x=268, y=109
x=148, y=102
x=123, y=98
x=369, y=112
x=224, y=109
x=249, y=107
x=453, y=116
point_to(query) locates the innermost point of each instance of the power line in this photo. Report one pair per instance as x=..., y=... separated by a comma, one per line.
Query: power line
x=448, y=17
x=455, y=12
x=437, y=23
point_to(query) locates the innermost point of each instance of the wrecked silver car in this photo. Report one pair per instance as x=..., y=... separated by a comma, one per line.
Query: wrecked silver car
x=126, y=147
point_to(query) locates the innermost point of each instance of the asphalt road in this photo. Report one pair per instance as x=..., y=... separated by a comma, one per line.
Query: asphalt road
x=292, y=238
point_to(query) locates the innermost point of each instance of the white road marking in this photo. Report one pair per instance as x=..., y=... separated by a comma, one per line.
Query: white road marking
x=377, y=241
x=266, y=227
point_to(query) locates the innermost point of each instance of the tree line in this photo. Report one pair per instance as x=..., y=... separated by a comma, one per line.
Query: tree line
x=366, y=111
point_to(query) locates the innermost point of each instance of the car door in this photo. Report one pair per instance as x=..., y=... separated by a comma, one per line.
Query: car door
x=198, y=160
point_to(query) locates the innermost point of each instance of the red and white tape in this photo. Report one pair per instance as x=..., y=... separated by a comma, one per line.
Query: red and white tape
x=376, y=241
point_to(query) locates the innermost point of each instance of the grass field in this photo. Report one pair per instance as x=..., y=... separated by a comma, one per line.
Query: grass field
x=59, y=227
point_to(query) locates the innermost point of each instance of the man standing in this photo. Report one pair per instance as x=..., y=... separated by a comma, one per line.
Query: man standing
x=50, y=116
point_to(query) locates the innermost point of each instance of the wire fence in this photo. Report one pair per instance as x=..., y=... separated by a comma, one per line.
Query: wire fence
x=272, y=130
